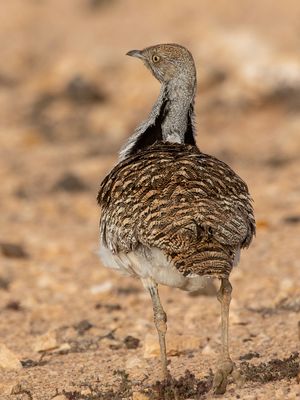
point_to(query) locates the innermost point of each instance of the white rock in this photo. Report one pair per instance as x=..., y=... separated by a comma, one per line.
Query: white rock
x=101, y=288
x=139, y=396
x=62, y=347
x=7, y=388
x=176, y=344
x=86, y=392
x=135, y=363
x=45, y=342
x=208, y=350
x=8, y=360
x=234, y=317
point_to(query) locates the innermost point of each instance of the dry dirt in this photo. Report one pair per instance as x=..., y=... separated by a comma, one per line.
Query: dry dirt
x=68, y=99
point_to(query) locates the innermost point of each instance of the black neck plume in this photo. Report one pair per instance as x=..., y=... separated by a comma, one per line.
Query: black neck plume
x=153, y=133
x=189, y=136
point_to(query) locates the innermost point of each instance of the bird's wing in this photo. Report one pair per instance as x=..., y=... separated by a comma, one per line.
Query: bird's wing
x=169, y=196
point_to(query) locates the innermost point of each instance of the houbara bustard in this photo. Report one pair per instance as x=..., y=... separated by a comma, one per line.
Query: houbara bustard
x=172, y=215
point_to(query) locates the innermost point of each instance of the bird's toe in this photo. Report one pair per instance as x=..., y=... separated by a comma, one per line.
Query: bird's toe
x=238, y=378
x=221, y=377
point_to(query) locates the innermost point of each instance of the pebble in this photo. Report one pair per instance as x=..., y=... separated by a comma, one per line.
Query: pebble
x=8, y=360
x=81, y=91
x=86, y=392
x=139, y=396
x=284, y=393
x=208, y=350
x=287, y=288
x=45, y=342
x=102, y=287
x=234, y=317
x=135, y=363
x=70, y=183
x=7, y=388
x=63, y=347
x=176, y=344
x=131, y=342
x=83, y=326
x=13, y=250
x=59, y=397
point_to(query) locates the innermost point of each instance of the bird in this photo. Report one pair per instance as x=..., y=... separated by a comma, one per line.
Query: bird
x=171, y=214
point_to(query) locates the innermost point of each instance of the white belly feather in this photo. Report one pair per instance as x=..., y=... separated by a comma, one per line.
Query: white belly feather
x=154, y=264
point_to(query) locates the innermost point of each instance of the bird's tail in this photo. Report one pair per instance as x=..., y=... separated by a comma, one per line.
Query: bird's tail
x=206, y=258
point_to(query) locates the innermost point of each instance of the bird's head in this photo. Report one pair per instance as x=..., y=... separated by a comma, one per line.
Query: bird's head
x=167, y=62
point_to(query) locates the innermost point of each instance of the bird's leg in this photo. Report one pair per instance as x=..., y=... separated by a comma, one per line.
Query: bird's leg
x=160, y=320
x=226, y=365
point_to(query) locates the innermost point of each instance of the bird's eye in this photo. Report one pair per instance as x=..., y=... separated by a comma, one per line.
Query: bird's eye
x=155, y=58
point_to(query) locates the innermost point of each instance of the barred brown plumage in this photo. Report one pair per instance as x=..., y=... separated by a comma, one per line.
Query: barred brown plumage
x=171, y=214
x=175, y=198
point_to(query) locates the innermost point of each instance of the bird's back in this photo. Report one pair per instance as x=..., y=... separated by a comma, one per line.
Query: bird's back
x=187, y=204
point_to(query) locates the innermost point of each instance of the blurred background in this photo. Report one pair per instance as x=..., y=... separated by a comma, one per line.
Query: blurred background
x=69, y=98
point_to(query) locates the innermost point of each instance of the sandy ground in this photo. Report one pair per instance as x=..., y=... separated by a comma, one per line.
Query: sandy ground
x=68, y=100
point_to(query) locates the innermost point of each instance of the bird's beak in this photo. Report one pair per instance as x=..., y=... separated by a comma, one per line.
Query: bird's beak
x=136, y=53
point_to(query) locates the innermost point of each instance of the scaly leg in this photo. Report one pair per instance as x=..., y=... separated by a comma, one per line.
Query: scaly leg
x=160, y=319
x=226, y=365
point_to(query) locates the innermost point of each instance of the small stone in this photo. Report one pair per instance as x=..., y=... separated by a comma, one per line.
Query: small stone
x=13, y=250
x=59, y=397
x=4, y=283
x=13, y=305
x=7, y=388
x=8, y=360
x=29, y=363
x=262, y=224
x=126, y=291
x=102, y=287
x=151, y=346
x=108, y=307
x=234, y=317
x=135, y=363
x=207, y=350
x=45, y=342
x=292, y=219
x=131, y=342
x=65, y=347
x=80, y=91
x=83, y=326
x=86, y=392
x=176, y=345
x=70, y=183
x=139, y=396
x=249, y=356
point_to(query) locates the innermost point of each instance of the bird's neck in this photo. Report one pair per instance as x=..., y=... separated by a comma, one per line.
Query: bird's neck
x=179, y=113
x=171, y=119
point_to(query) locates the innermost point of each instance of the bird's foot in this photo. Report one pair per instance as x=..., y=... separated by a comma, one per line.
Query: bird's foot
x=226, y=369
x=165, y=373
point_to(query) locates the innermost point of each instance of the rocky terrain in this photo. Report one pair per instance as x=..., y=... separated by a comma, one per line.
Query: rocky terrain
x=72, y=330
